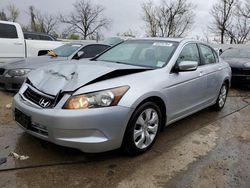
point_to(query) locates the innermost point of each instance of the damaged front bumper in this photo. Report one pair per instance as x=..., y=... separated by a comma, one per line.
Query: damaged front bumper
x=90, y=130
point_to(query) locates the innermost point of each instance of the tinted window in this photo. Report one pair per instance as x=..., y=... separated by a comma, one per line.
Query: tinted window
x=189, y=53
x=45, y=37
x=8, y=31
x=207, y=54
x=31, y=36
x=93, y=50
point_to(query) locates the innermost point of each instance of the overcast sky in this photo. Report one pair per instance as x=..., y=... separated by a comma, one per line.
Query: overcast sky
x=125, y=14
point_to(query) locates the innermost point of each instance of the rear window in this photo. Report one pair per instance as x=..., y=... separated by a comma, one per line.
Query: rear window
x=33, y=36
x=44, y=37
x=8, y=31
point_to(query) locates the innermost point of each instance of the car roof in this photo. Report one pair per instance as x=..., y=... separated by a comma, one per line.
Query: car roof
x=86, y=43
x=166, y=39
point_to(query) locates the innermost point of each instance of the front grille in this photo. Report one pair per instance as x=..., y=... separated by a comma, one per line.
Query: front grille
x=241, y=71
x=2, y=86
x=2, y=71
x=38, y=99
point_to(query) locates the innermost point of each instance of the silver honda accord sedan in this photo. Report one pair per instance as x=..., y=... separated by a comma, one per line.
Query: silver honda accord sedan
x=124, y=97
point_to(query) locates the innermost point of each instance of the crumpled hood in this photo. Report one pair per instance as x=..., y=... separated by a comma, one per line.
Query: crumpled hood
x=68, y=77
x=237, y=62
x=33, y=62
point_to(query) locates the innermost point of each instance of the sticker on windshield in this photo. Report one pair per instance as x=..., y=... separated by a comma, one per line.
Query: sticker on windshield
x=166, y=44
x=76, y=45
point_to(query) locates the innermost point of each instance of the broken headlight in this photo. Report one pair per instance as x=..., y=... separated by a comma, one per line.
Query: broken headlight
x=105, y=98
x=18, y=72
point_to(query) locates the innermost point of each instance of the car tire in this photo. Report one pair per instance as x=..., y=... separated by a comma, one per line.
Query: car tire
x=221, y=100
x=143, y=129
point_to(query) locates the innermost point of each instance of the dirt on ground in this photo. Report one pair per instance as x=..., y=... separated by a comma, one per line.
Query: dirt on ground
x=5, y=107
x=207, y=149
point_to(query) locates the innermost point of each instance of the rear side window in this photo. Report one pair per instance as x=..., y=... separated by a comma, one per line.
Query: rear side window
x=189, y=53
x=29, y=36
x=8, y=31
x=93, y=50
x=207, y=55
x=44, y=37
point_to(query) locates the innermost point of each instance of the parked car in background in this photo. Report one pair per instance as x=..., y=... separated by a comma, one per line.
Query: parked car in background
x=239, y=60
x=15, y=46
x=115, y=40
x=123, y=97
x=38, y=36
x=13, y=74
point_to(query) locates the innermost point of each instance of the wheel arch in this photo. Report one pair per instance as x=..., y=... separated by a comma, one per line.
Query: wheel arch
x=159, y=101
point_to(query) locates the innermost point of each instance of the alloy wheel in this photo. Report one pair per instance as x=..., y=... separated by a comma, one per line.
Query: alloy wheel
x=146, y=128
x=223, y=96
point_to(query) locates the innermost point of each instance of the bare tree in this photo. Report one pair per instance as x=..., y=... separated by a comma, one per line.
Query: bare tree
x=33, y=24
x=222, y=12
x=39, y=22
x=238, y=28
x=3, y=15
x=149, y=11
x=86, y=19
x=239, y=31
x=47, y=23
x=12, y=13
x=128, y=33
x=245, y=9
x=170, y=19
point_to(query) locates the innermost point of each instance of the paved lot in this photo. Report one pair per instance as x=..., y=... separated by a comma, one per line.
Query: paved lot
x=208, y=149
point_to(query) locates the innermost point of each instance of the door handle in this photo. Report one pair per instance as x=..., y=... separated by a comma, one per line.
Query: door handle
x=18, y=43
x=220, y=68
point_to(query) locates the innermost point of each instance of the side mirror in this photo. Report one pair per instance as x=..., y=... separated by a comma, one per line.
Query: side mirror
x=79, y=54
x=187, y=66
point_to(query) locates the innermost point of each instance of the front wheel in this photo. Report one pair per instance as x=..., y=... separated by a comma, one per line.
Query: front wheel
x=221, y=100
x=143, y=129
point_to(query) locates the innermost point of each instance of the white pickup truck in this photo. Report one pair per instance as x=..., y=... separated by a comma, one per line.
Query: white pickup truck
x=13, y=45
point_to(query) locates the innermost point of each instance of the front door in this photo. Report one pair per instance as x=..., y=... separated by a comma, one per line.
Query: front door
x=187, y=91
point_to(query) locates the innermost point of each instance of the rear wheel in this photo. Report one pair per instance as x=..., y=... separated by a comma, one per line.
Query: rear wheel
x=143, y=129
x=221, y=100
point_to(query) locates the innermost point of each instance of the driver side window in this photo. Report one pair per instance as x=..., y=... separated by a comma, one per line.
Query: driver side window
x=189, y=53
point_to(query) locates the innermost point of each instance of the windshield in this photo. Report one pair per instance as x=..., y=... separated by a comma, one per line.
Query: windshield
x=66, y=50
x=146, y=53
x=236, y=53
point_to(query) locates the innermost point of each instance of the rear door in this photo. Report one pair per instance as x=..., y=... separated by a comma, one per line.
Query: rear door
x=11, y=42
x=187, y=92
x=211, y=67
